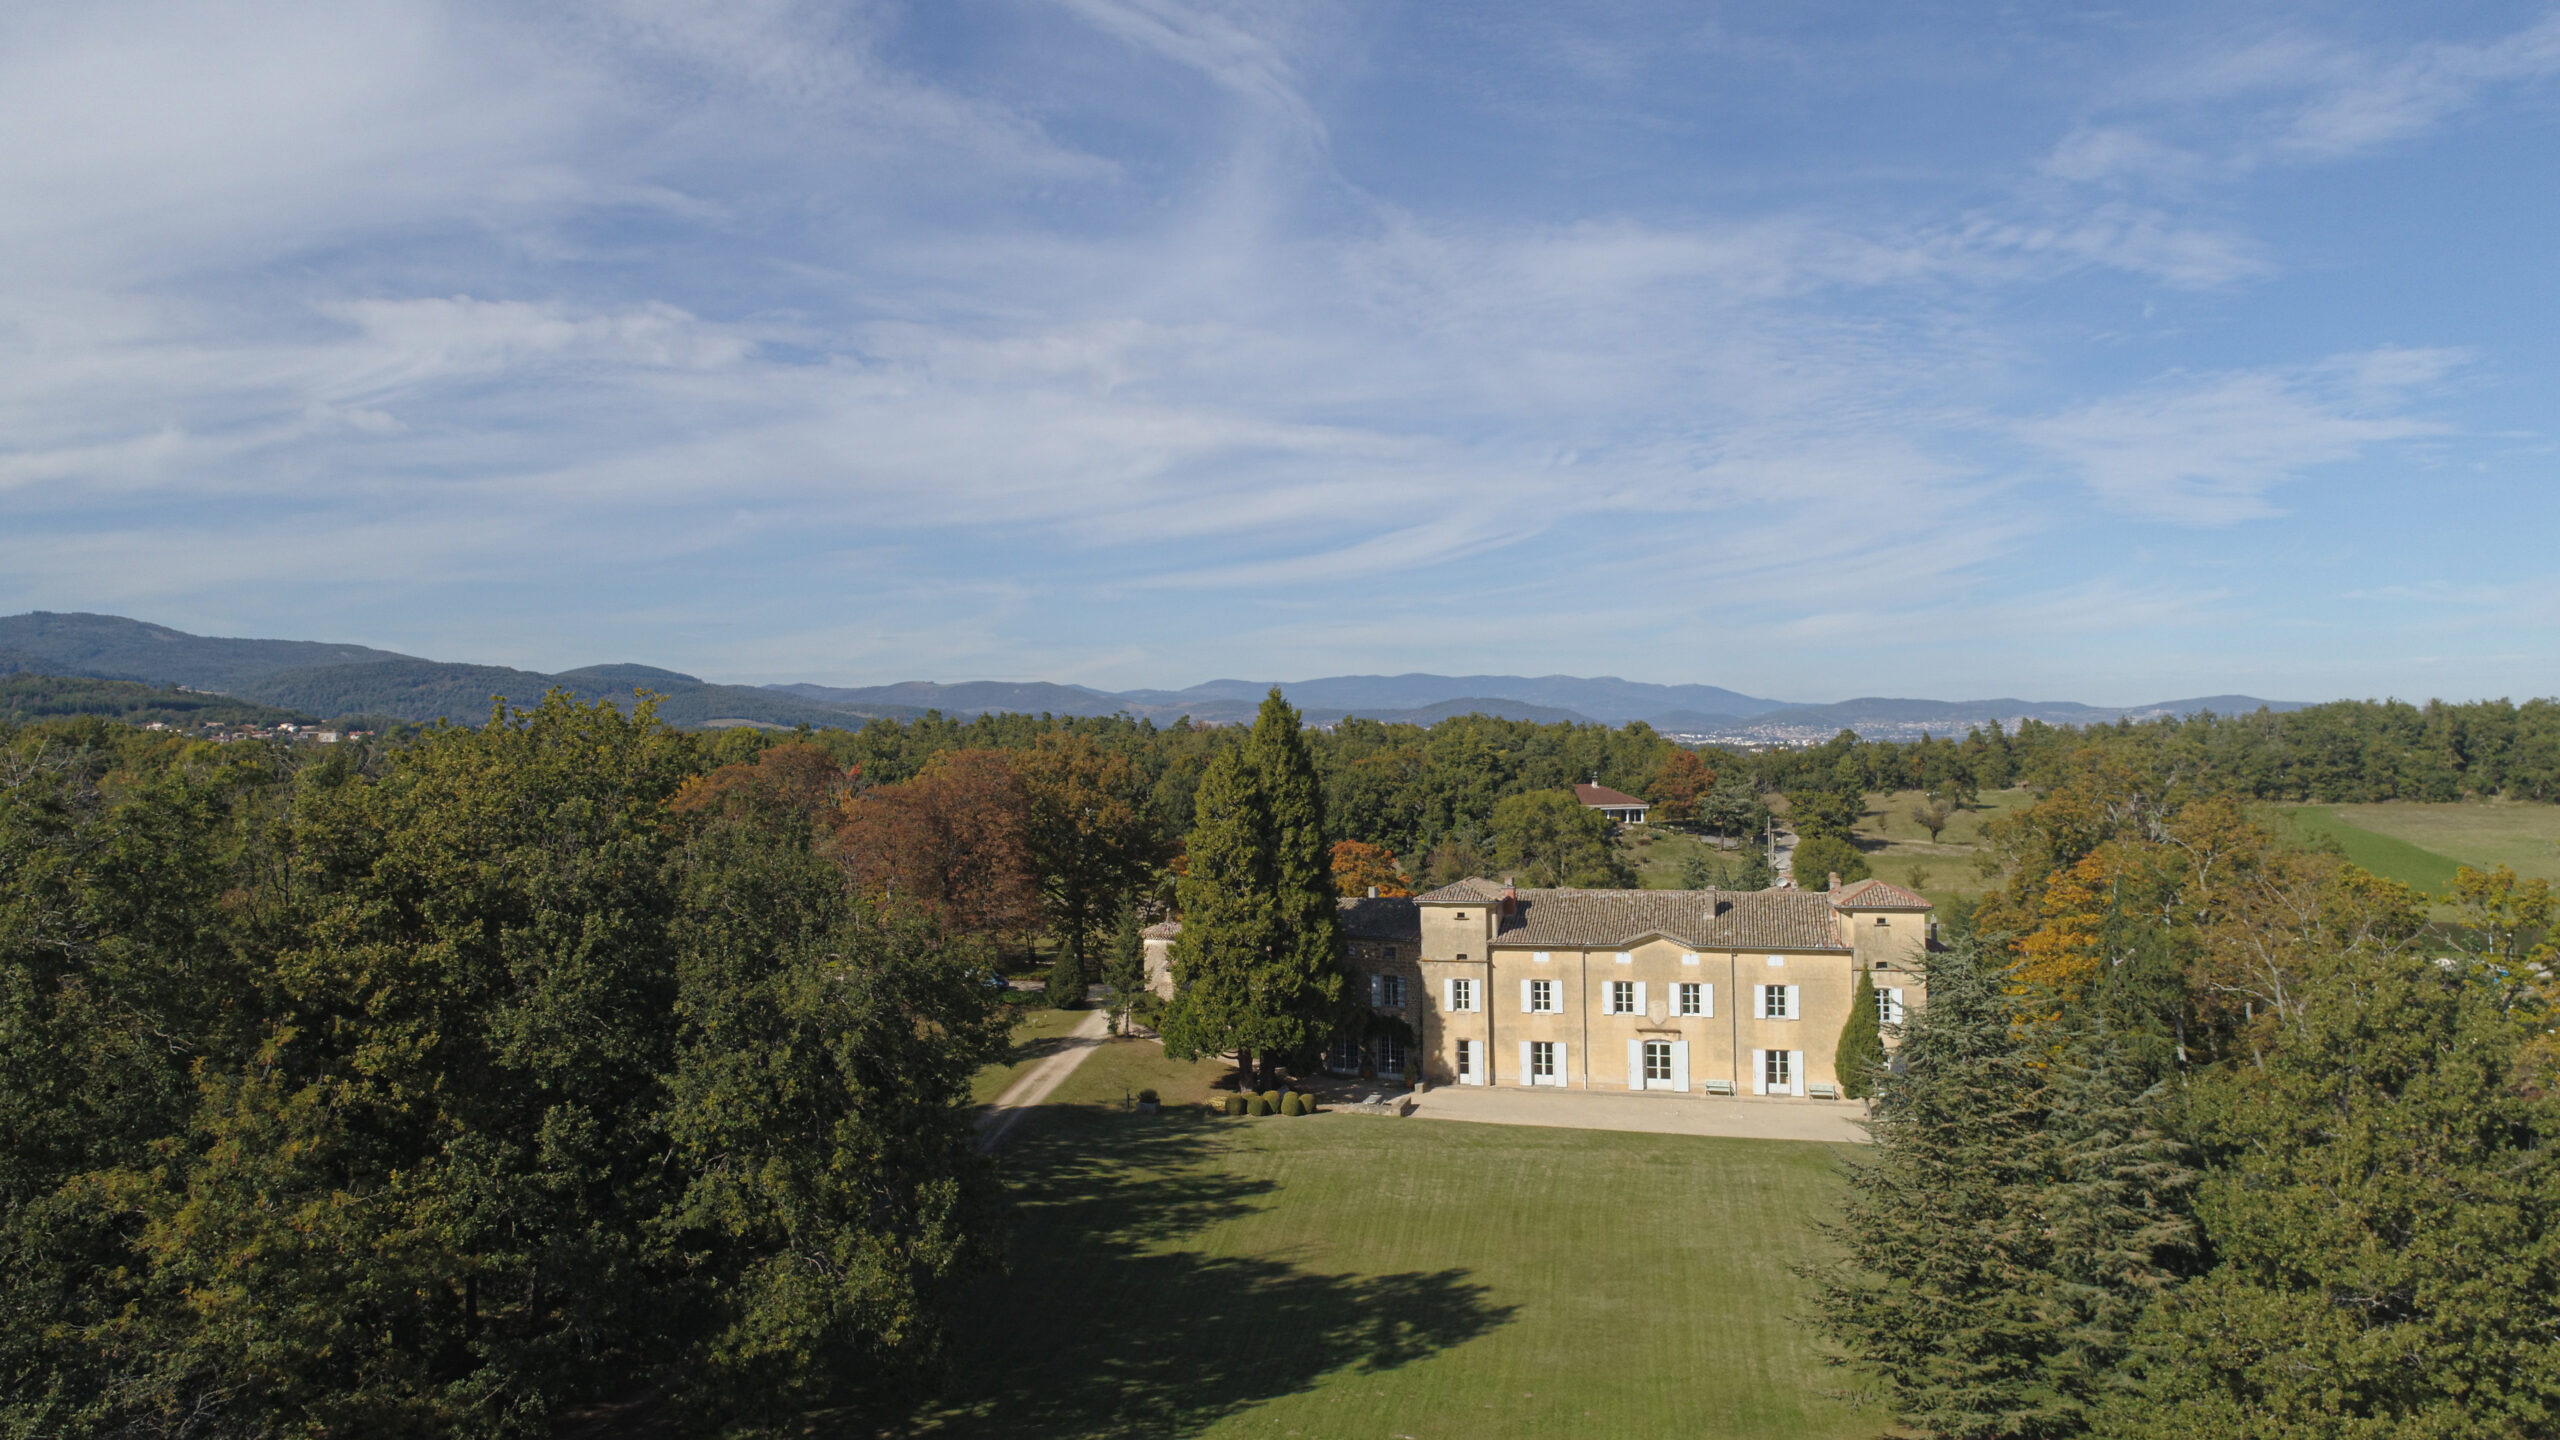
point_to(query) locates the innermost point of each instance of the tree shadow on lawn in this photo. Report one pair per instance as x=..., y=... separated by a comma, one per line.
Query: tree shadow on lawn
x=1096, y=1332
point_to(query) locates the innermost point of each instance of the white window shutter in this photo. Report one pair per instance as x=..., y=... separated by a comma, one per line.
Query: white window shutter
x=1377, y=989
x=1707, y=999
x=1680, y=1066
x=1524, y=997
x=1759, y=1072
x=1640, y=1007
x=1635, y=1064
x=1795, y=1010
x=1795, y=1073
x=1527, y=1076
x=1564, y=1066
x=1759, y=1002
x=1448, y=996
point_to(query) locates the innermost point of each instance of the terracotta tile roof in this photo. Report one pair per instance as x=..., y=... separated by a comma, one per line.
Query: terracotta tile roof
x=1474, y=890
x=1877, y=895
x=1362, y=919
x=1699, y=919
x=1386, y=918
x=1597, y=795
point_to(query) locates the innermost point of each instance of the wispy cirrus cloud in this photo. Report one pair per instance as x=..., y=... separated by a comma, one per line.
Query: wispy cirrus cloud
x=1045, y=312
x=2213, y=449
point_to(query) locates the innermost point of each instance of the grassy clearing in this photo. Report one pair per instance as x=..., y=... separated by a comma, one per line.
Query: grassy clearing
x=1659, y=853
x=1898, y=850
x=1340, y=1275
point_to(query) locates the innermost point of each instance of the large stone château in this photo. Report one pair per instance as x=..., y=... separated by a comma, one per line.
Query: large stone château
x=1702, y=992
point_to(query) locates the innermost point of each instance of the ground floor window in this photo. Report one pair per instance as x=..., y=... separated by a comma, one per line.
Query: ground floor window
x=1344, y=1057
x=1542, y=1060
x=1776, y=1072
x=1657, y=1061
x=1389, y=1051
x=1466, y=1059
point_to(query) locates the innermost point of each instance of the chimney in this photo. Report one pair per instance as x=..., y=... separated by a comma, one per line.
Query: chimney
x=1835, y=881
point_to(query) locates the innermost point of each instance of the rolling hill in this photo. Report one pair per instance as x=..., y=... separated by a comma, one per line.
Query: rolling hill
x=332, y=680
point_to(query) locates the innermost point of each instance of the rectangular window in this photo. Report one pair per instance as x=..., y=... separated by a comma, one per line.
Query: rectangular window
x=1391, y=991
x=1622, y=997
x=1391, y=952
x=1692, y=998
x=1775, y=1071
x=1888, y=1005
x=1773, y=1002
x=1657, y=1063
x=1344, y=1057
x=1462, y=995
x=1542, y=1062
x=1466, y=1061
x=1542, y=996
x=1390, y=1054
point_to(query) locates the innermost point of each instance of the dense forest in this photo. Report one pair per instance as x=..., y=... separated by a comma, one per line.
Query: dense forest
x=48, y=697
x=571, y=1065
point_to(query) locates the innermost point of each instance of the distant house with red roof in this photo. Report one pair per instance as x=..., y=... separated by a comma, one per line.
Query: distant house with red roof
x=1623, y=808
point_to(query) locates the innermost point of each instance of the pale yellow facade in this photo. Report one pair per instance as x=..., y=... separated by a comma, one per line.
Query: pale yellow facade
x=1518, y=1012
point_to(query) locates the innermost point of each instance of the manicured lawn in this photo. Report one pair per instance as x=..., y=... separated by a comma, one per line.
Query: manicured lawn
x=1340, y=1275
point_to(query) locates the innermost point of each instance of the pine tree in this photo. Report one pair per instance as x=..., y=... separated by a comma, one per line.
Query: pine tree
x=1067, y=976
x=1257, y=967
x=1861, y=1051
x=1124, y=969
x=2018, y=1217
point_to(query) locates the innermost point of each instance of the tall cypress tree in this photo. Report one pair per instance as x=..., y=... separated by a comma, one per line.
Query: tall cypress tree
x=1299, y=984
x=1224, y=895
x=1257, y=967
x=1861, y=1050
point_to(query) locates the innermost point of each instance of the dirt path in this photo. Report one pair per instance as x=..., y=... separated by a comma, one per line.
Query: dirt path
x=1042, y=1078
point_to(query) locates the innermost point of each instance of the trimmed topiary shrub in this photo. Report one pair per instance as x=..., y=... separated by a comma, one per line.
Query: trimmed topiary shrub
x=1234, y=1105
x=1260, y=1106
x=1293, y=1103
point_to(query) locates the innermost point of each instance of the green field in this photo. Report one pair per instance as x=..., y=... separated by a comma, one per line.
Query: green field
x=1342, y=1275
x=2384, y=855
x=2420, y=844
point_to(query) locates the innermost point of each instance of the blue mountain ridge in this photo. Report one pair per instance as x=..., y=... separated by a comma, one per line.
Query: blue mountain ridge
x=334, y=679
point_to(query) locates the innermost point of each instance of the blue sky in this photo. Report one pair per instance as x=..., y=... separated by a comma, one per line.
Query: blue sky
x=2108, y=354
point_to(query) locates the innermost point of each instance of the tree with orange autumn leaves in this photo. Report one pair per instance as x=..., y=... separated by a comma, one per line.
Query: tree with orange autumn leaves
x=2137, y=897
x=1358, y=866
